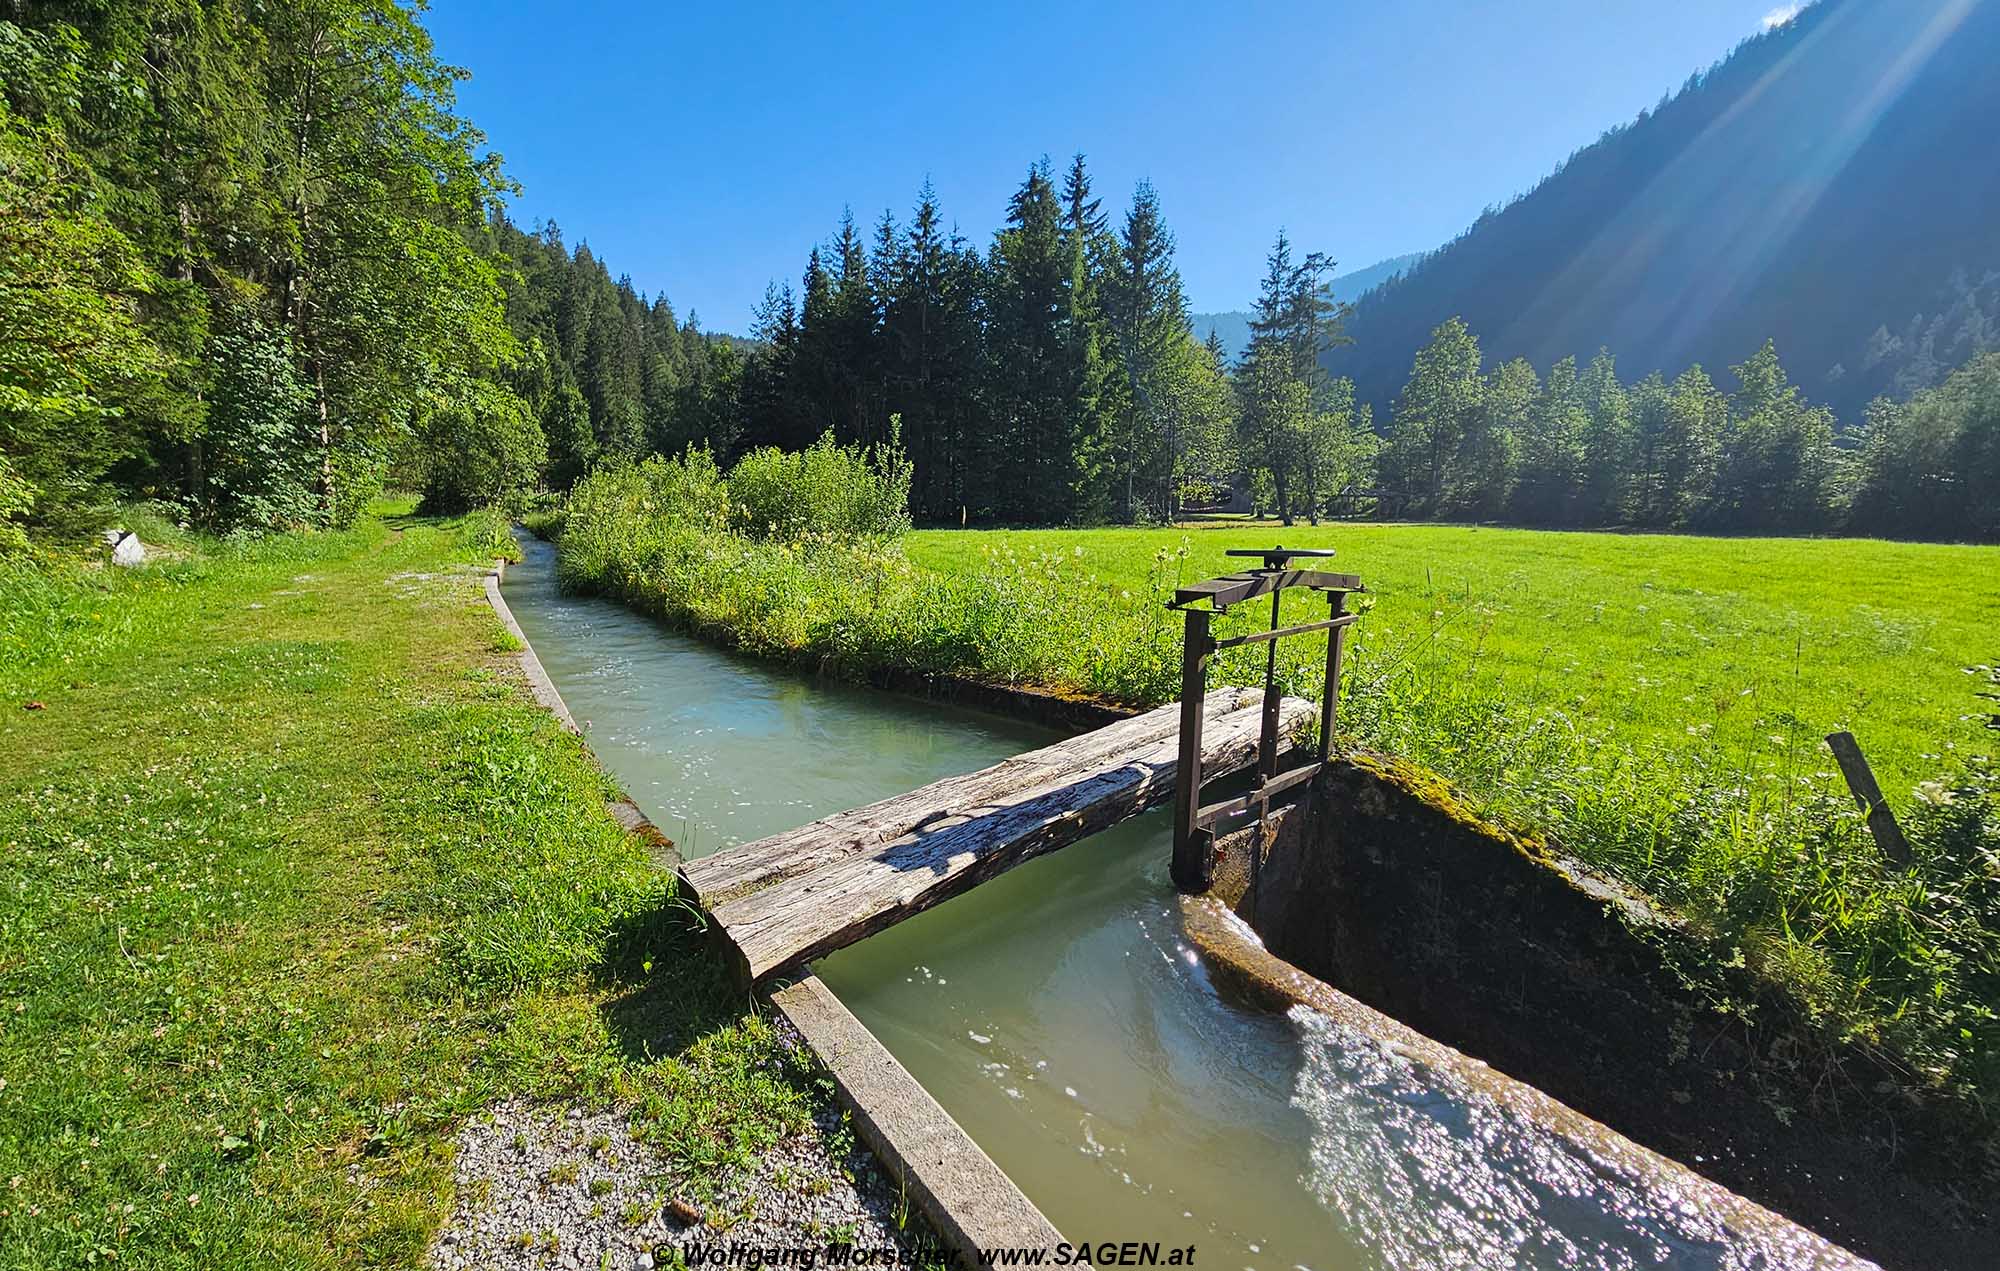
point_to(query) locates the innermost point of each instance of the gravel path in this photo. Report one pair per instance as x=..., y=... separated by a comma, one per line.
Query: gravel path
x=541, y=1186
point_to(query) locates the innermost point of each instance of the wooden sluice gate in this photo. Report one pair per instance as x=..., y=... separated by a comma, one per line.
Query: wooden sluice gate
x=786, y=899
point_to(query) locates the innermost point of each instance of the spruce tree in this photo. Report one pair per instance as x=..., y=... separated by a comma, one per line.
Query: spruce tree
x=1609, y=440
x=1147, y=315
x=1031, y=452
x=1548, y=488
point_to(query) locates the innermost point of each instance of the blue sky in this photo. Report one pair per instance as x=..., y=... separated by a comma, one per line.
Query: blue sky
x=703, y=149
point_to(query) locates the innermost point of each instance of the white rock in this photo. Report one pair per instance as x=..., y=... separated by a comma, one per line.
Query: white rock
x=127, y=550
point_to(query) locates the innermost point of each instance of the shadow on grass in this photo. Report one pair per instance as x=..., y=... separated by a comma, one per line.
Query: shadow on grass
x=413, y=519
x=670, y=988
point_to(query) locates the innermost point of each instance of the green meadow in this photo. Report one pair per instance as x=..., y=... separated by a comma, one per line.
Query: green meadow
x=1734, y=648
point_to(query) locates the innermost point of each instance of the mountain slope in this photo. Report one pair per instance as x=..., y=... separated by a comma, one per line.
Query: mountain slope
x=1234, y=325
x=1827, y=185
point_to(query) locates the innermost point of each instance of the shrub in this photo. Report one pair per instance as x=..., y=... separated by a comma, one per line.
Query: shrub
x=16, y=498
x=830, y=490
x=482, y=449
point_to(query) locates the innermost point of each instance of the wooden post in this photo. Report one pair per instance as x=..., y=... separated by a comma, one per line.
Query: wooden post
x=1191, y=864
x=1267, y=746
x=1861, y=780
x=1330, y=697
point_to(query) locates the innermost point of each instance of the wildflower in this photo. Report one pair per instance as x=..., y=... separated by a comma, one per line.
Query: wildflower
x=1936, y=793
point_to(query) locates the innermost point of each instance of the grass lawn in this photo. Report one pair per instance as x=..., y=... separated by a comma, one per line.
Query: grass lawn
x=295, y=877
x=1710, y=645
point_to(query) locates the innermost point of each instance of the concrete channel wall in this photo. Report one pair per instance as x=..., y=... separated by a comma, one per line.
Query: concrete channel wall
x=967, y=1199
x=1380, y=887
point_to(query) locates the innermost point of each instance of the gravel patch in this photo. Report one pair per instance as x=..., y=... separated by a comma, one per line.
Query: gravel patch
x=541, y=1186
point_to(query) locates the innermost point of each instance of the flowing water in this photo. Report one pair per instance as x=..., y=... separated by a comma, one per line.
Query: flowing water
x=1058, y=1015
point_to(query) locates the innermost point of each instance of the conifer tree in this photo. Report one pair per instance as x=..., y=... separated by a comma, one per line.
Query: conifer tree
x=1690, y=448
x=1032, y=449
x=1094, y=387
x=1550, y=482
x=1147, y=316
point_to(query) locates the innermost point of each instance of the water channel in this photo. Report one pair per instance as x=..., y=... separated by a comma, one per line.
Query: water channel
x=1059, y=1017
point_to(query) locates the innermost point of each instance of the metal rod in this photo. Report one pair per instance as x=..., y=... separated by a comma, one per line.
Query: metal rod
x=1258, y=637
x=1191, y=865
x=1269, y=790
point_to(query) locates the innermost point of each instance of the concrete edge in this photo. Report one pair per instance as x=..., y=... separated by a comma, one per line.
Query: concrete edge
x=539, y=682
x=968, y=1199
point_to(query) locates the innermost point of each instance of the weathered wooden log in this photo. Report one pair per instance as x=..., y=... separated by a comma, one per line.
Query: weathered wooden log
x=872, y=867
x=746, y=867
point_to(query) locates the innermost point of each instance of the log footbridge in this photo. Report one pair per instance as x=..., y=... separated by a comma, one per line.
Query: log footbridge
x=782, y=901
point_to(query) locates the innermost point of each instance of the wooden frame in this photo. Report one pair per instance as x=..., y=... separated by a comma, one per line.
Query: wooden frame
x=1193, y=864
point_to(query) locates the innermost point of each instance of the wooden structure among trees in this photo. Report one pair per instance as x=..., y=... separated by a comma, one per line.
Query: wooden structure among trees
x=786, y=899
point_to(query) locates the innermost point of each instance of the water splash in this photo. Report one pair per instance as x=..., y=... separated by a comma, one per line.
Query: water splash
x=1431, y=1173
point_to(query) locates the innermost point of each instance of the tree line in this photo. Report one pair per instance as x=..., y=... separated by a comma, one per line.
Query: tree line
x=1578, y=447
x=1051, y=377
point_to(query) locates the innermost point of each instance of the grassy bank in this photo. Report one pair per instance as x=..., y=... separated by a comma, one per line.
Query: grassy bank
x=295, y=878
x=1655, y=705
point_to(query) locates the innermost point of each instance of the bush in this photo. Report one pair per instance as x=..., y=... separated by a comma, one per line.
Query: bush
x=16, y=498
x=262, y=457
x=826, y=490
x=483, y=449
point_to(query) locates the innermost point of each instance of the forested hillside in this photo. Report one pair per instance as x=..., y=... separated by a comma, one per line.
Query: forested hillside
x=1829, y=186
x=609, y=373
x=254, y=267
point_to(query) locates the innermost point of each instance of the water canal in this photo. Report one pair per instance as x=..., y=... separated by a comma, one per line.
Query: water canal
x=1057, y=1014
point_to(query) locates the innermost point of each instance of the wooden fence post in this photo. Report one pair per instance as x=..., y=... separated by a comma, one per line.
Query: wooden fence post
x=1861, y=780
x=1191, y=864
